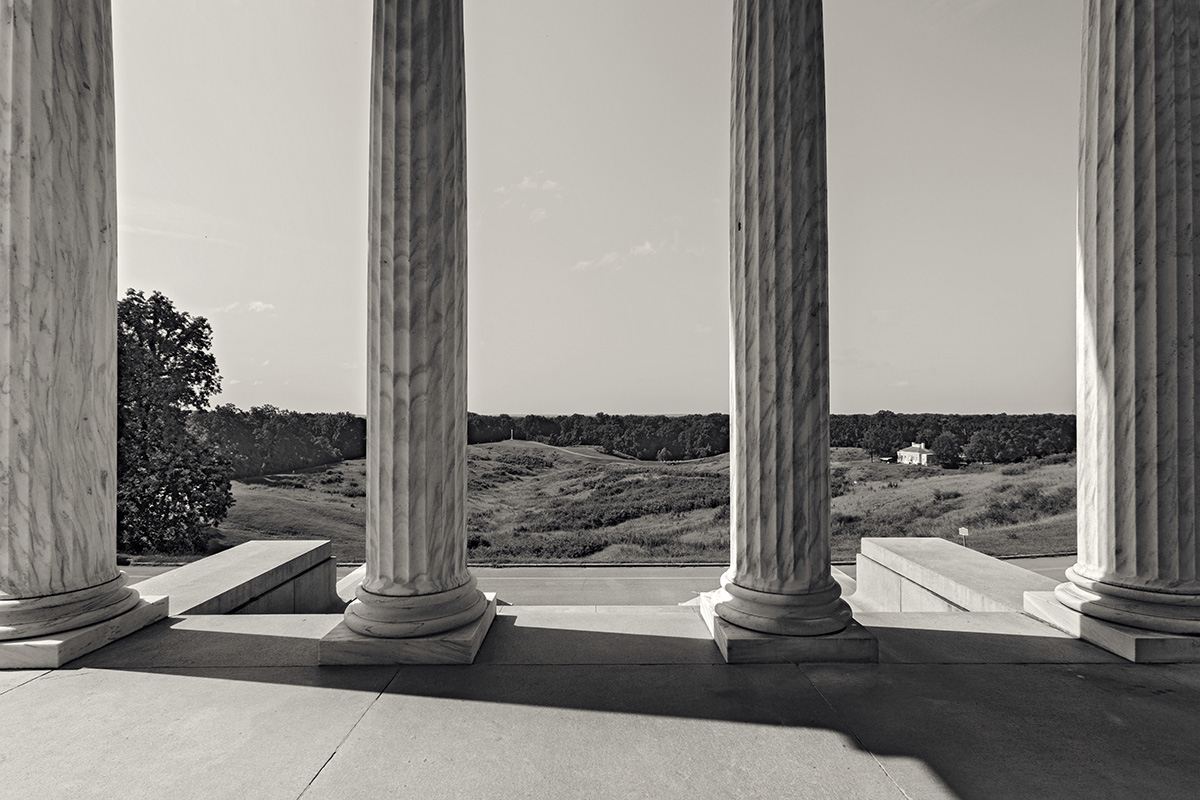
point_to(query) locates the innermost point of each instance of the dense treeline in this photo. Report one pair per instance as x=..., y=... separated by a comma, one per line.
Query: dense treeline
x=266, y=440
x=1001, y=438
x=640, y=436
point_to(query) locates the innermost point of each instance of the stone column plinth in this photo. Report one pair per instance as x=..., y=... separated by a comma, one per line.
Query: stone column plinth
x=58, y=326
x=1137, y=313
x=416, y=580
x=779, y=581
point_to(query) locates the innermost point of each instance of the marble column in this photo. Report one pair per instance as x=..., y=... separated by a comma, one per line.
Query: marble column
x=416, y=580
x=779, y=580
x=58, y=322
x=1137, y=313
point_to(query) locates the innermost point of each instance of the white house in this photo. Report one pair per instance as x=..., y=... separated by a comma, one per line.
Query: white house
x=916, y=454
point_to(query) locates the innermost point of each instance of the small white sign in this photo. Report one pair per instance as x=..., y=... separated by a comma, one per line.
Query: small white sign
x=962, y=531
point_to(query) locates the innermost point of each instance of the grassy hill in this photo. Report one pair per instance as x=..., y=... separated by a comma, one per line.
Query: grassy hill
x=529, y=502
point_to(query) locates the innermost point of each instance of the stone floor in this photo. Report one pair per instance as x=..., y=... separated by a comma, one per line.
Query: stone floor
x=602, y=700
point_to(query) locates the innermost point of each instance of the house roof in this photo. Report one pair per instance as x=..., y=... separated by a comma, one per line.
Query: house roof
x=916, y=448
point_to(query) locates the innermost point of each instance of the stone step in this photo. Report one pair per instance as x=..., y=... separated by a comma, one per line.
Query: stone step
x=922, y=574
x=984, y=637
x=280, y=577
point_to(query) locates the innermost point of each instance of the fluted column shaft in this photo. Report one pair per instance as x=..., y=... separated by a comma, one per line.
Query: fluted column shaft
x=779, y=580
x=58, y=321
x=1137, y=316
x=416, y=571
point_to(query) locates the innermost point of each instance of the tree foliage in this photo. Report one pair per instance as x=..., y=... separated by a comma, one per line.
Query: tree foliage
x=947, y=449
x=639, y=436
x=171, y=485
x=267, y=440
x=997, y=437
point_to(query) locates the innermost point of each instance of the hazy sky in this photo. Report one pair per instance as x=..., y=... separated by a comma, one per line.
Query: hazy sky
x=598, y=173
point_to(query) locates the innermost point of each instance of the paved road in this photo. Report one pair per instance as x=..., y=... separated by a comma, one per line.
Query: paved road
x=587, y=586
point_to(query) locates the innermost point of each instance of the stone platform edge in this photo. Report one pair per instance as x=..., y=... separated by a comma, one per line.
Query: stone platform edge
x=55, y=650
x=1132, y=644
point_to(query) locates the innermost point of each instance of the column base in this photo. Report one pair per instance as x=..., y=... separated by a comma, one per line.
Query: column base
x=1165, y=612
x=27, y=617
x=460, y=645
x=813, y=614
x=404, y=616
x=51, y=652
x=738, y=645
x=1132, y=644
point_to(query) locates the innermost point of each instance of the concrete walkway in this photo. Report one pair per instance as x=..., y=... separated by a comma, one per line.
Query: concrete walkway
x=602, y=701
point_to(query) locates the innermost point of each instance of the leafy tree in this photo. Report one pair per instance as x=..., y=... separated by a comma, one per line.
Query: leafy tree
x=171, y=483
x=947, y=449
x=885, y=434
x=983, y=446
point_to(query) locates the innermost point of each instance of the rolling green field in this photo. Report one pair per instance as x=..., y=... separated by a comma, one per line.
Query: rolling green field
x=534, y=503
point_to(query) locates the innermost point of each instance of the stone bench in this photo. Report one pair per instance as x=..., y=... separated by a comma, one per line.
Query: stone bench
x=282, y=577
x=906, y=574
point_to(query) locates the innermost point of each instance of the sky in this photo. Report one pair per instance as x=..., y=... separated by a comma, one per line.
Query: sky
x=597, y=191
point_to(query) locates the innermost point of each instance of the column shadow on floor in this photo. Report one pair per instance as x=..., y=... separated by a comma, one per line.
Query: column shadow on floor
x=976, y=730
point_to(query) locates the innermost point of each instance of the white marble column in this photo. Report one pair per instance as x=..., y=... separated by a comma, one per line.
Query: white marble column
x=779, y=580
x=58, y=323
x=416, y=580
x=1139, y=204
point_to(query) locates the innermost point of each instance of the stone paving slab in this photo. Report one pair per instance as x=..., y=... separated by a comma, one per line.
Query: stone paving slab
x=227, y=640
x=598, y=635
x=604, y=730
x=1068, y=732
x=12, y=678
x=614, y=732
x=204, y=734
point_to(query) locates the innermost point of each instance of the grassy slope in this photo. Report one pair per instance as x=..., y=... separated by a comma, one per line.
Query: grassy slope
x=530, y=502
x=1009, y=510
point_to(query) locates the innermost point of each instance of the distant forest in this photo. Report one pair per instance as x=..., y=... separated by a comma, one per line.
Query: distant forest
x=639, y=436
x=267, y=440
x=999, y=438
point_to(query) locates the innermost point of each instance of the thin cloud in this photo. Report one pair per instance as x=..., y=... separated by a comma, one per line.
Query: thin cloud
x=237, y=307
x=537, y=182
x=538, y=214
x=616, y=260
